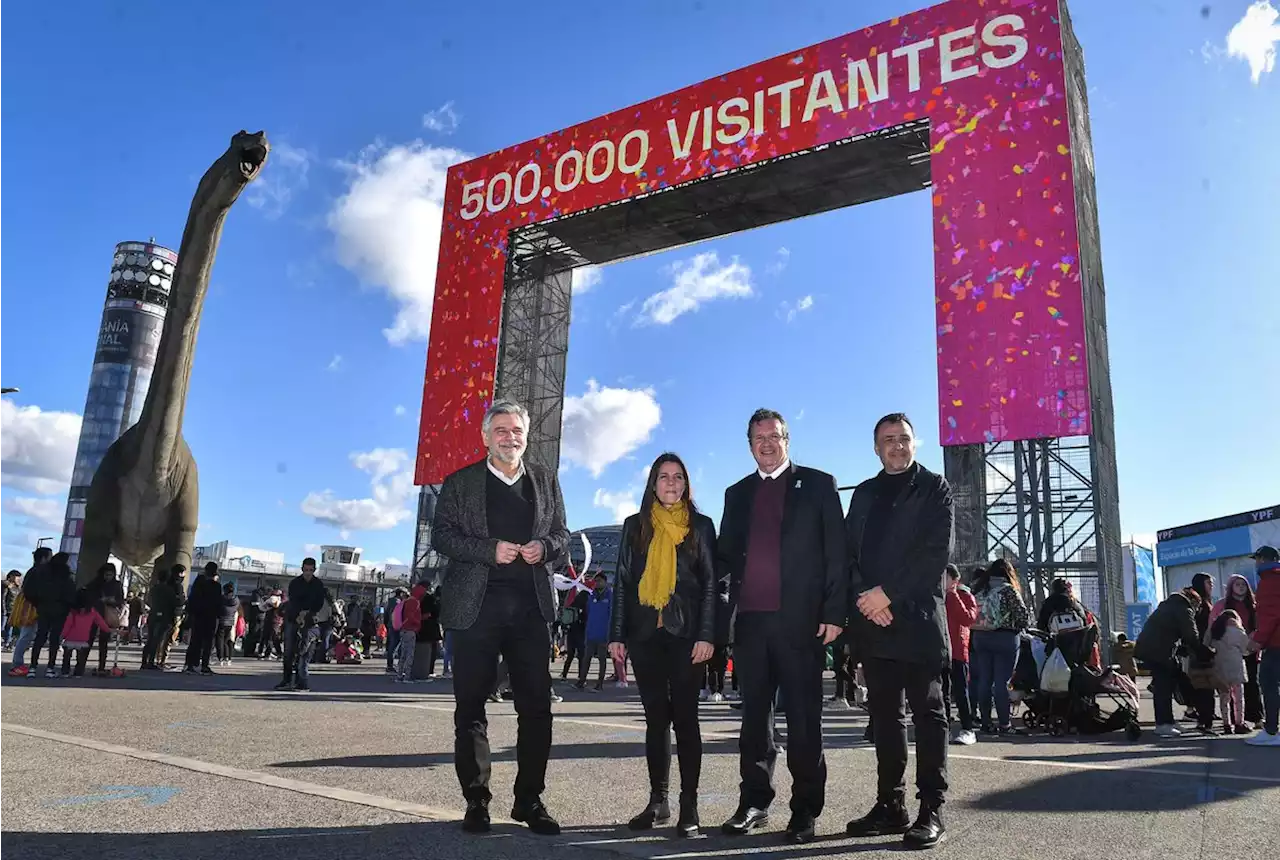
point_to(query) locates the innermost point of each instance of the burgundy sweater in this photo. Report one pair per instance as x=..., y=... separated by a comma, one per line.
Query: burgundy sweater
x=762, y=577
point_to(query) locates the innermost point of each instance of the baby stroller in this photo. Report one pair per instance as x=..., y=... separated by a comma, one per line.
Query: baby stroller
x=1094, y=702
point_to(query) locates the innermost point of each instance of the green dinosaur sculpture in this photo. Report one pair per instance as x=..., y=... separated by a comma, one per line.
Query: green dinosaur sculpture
x=143, y=502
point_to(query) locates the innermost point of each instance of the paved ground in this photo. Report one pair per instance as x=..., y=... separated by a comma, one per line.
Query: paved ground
x=178, y=766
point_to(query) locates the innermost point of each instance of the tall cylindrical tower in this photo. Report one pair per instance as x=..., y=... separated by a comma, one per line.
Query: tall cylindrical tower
x=132, y=322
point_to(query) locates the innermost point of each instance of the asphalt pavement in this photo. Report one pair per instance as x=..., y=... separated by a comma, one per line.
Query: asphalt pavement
x=171, y=765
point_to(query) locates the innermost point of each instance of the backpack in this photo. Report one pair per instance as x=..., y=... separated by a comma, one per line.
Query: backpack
x=23, y=613
x=397, y=616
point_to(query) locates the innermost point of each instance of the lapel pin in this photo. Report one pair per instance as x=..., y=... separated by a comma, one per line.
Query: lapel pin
x=798, y=483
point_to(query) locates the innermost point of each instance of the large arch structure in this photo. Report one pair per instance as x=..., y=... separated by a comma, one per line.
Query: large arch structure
x=982, y=102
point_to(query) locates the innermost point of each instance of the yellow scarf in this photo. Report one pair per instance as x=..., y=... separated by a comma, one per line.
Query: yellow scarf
x=658, y=582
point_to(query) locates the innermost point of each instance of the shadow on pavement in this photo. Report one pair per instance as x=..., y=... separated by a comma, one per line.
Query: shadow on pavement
x=425, y=839
x=620, y=747
x=1130, y=790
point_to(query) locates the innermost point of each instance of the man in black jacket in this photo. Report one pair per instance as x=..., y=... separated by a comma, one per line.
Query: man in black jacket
x=50, y=587
x=500, y=522
x=167, y=601
x=306, y=598
x=899, y=533
x=781, y=545
x=204, y=608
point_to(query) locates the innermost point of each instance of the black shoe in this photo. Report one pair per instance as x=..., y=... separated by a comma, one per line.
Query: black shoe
x=477, y=818
x=207, y=671
x=657, y=812
x=284, y=687
x=746, y=819
x=927, y=831
x=884, y=818
x=800, y=828
x=536, y=816
x=303, y=688
x=688, y=825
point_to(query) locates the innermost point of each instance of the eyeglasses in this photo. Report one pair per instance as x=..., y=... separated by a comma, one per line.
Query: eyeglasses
x=775, y=438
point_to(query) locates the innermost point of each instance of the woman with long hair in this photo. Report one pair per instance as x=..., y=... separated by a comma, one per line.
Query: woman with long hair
x=1241, y=599
x=664, y=617
x=993, y=642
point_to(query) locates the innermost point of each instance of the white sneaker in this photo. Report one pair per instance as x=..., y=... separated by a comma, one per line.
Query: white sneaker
x=964, y=738
x=556, y=698
x=1262, y=739
x=1168, y=731
x=835, y=703
x=717, y=697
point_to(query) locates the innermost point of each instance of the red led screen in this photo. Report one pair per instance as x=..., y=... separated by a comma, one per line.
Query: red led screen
x=989, y=78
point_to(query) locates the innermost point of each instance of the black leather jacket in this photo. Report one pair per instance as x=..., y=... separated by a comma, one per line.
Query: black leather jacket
x=691, y=611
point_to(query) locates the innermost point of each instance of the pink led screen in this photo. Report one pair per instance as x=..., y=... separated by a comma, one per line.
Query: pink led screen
x=988, y=76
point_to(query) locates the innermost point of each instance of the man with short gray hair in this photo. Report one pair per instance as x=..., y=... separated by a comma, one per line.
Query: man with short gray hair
x=501, y=524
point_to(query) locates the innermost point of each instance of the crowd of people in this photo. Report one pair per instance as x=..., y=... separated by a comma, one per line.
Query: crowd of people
x=786, y=587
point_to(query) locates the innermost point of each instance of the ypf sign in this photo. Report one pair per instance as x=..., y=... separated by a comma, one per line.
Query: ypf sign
x=988, y=77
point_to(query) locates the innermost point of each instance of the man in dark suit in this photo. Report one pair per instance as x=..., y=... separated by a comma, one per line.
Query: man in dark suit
x=781, y=546
x=899, y=534
x=500, y=522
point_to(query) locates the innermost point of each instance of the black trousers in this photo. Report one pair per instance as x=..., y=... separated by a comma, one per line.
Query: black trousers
x=891, y=683
x=102, y=637
x=768, y=658
x=593, y=651
x=48, y=631
x=223, y=642
x=955, y=693
x=669, y=683
x=716, y=667
x=159, y=628
x=511, y=625
x=200, y=648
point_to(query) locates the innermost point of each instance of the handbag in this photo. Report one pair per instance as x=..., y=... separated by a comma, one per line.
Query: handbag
x=1201, y=674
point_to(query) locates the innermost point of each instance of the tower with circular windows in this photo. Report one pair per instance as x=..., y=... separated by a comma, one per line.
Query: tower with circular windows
x=132, y=321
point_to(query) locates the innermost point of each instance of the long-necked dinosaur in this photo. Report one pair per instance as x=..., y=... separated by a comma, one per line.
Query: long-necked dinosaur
x=144, y=501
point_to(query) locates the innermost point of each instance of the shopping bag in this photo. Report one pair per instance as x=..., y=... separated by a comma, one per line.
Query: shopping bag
x=1056, y=676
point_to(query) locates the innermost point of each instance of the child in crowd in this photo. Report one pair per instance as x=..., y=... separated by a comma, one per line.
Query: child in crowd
x=1230, y=643
x=78, y=631
x=1123, y=654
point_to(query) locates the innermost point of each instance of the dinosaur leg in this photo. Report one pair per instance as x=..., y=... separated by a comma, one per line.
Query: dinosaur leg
x=100, y=520
x=180, y=533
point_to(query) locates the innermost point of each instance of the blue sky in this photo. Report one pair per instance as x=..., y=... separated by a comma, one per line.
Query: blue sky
x=308, y=376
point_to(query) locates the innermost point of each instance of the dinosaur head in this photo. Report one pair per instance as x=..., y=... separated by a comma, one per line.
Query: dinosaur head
x=251, y=152
x=238, y=166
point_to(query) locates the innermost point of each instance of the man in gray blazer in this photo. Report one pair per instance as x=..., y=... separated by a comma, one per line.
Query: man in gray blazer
x=500, y=522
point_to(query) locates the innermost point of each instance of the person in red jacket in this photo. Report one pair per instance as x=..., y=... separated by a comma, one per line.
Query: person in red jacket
x=1266, y=638
x=962, y=611
x=410, y=624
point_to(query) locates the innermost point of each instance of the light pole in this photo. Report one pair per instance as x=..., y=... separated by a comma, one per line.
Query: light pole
x=40, y=541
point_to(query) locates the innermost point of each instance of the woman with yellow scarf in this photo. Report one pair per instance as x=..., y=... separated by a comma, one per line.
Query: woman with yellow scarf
x=664, y=617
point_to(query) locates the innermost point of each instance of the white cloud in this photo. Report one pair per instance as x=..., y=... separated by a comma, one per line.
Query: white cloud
x=696, y=281
x=1254, y=38
x=788, y=311
x=335, y=362
x=606, y=424
x=622, y=504
x=47, y=515
x=37, y=448
x=386, y=227
x=391, y=483
x=284, y=175
x=586, y=277
x=443, y=119
x=780, y=261
x=400, y=410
